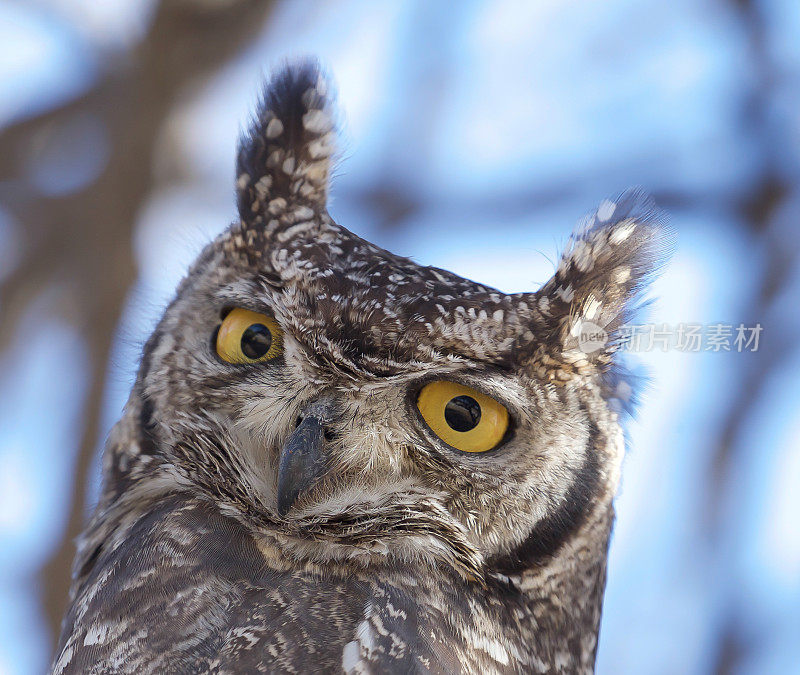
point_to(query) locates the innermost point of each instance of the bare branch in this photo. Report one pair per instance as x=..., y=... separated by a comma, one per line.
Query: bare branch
x=81, y=242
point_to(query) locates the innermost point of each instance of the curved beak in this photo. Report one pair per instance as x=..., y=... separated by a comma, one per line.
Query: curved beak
x=303, y=460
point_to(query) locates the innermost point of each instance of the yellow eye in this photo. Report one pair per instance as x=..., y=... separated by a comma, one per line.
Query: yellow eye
x=462, y=417
x=249, y=337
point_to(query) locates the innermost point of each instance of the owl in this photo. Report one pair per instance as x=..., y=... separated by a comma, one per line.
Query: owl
x=334, y=459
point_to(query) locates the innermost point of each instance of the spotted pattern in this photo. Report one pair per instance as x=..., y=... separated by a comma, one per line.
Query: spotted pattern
x=406, y=556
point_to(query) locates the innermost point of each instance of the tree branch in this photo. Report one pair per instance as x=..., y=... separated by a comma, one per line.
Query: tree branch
x=82, y=242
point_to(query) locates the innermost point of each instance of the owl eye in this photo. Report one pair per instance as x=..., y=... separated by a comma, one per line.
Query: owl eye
x=462, y=417
x=248, y=337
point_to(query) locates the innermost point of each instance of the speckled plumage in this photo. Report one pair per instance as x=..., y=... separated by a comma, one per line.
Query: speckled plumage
x=407, y=555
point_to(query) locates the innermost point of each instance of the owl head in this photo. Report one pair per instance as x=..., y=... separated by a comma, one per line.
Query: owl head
x=350, y=405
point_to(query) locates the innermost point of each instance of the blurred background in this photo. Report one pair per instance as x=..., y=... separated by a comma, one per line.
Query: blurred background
x=476, y=134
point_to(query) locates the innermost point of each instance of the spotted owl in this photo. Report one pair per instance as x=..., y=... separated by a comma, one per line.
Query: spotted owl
x=335, y=459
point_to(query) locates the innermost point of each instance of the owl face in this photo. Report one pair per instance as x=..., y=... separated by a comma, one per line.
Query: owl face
x=355, y=405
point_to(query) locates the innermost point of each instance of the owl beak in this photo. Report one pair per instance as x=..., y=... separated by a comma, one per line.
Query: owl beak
x=302, y=461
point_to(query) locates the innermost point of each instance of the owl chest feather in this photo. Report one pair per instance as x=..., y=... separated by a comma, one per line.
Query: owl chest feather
x=182, y=588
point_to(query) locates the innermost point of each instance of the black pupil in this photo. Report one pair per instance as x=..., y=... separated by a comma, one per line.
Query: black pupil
x=462, y=413
x=256, y=341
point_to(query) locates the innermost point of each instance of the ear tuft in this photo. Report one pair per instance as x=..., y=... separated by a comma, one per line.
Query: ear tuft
x=285, y=156
x=610, y=260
